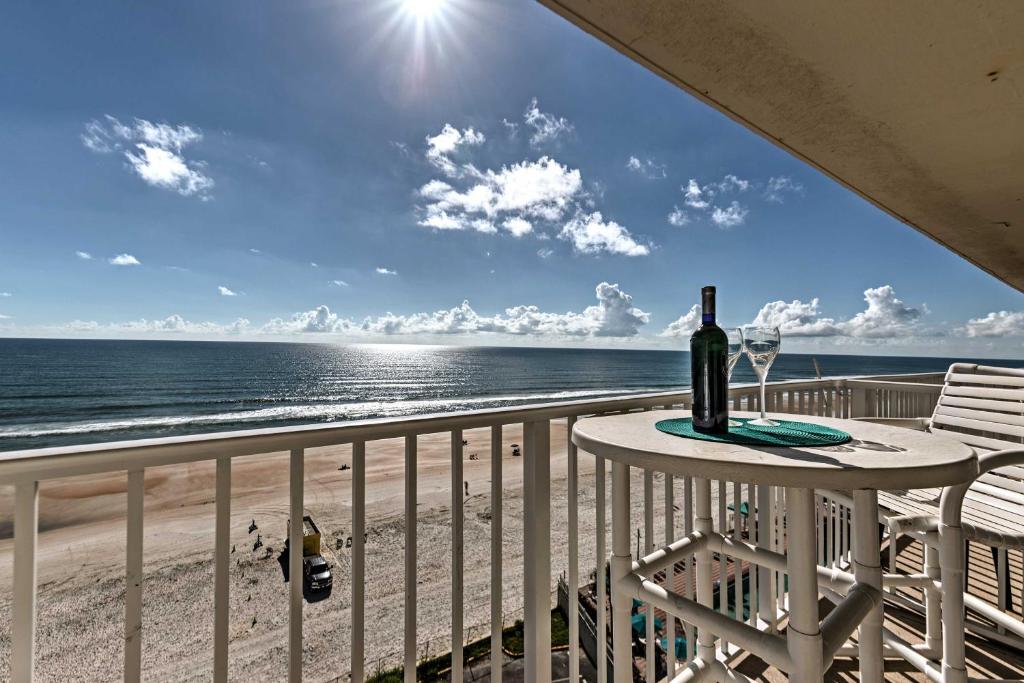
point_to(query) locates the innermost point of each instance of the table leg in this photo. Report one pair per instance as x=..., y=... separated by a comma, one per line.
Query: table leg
x=867, y=568
x=621, y=564
x=803, y=635
x=705, y=588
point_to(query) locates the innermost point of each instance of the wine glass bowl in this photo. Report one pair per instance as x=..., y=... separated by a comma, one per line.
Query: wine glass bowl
x=734, y=337
x=761, y=345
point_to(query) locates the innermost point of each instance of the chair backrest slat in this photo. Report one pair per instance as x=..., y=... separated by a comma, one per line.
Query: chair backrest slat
x=986, y=392
x=989, y=418
x=944, y=419
x=950, y=400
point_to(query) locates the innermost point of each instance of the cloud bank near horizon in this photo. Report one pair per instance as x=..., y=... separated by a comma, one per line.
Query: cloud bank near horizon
x=886, y=319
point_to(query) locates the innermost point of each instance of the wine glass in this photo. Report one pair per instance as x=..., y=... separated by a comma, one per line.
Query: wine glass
x=734, y=337
x=762, y=345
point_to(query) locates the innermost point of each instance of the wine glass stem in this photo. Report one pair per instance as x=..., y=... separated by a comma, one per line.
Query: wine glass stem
x=760, y=379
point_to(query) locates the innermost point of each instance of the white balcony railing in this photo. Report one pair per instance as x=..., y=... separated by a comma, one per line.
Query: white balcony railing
x=843, y=397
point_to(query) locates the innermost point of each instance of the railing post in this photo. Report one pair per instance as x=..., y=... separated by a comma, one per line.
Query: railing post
x=497, y=620
x=409, y=635
x=601, y=573
x=670, y=572
x=537, y=550
x=457, y=556
x=651, y=667
x=26, y=529
x=621, y=562
x=765, y=576
x=295, y=486
x=574, y=551
x=858, y=401
x=358, y=558
x=222, y=563
x=133, y=578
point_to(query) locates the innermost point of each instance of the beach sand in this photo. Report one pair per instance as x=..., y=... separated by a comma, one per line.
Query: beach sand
x=82, y=553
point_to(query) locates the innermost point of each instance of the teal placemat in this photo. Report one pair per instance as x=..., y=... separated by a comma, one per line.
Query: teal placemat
x=786, y=434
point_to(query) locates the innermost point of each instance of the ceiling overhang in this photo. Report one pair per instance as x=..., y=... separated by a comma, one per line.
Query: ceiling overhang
x=916, y=106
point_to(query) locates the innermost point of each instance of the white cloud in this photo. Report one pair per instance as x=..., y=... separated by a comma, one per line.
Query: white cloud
x=684, y=325
x=255, y=251
x=545, y=253
x=885, y=316
x=518, y=226
x=518, y=196
x=84, y=255
x=796, y=319
x=440, y=147
x=442, y=220
x=703, y=198
x=4, y=317
x=339, y=283
x=777, y=187
x=483, y=225
x=591, y=234
x=546, y=127
x=224, y=291
x=730, y=183
x=320, y=319
x=164, y=168
x=314, y=264
x=613, y=316
x=96, y=136
x=124, y=260
x=5, y=295
x=648, y=168
x=384, y=271
x=172, y=324
x=153, y=151
x=166, y=136
x=729, y=217
x=510, y=127
x=693, y=195
x=541, y=189
x=996, y=324
x=678, y=217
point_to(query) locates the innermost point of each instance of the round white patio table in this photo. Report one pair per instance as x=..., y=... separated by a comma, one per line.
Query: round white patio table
x=911, y=459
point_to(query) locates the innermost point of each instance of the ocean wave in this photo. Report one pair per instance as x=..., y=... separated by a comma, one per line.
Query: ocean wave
x=293, y=413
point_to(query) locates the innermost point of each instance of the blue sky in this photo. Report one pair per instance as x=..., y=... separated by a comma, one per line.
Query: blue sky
x=357, y=171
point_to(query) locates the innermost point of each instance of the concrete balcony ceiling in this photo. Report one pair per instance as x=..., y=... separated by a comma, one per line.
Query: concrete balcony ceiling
x=916, y=106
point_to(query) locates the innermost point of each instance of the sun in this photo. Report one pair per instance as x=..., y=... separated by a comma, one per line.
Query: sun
x=423, y=9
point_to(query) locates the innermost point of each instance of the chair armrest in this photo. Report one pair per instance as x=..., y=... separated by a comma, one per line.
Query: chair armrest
x=919, y=424
x=952, y=501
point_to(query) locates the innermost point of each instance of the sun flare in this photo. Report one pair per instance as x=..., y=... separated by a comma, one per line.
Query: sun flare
x=423, y=9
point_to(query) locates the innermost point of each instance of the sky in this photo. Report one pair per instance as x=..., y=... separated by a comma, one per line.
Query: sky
x=436, y=171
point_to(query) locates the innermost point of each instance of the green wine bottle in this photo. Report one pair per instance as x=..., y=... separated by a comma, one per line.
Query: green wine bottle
x=709, y=352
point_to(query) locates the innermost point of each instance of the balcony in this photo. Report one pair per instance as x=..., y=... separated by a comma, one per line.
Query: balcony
x=497, y=538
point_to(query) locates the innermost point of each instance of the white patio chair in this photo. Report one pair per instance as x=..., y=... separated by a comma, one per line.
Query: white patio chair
x=983, y=407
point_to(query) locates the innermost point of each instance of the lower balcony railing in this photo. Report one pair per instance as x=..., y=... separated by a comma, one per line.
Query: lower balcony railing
x=909, y=396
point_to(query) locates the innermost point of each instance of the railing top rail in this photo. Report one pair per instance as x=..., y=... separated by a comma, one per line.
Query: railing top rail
x=47, y=463
x=889, y=384
x=908, y=376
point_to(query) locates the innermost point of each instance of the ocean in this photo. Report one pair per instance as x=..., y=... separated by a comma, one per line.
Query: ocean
x=63, y=392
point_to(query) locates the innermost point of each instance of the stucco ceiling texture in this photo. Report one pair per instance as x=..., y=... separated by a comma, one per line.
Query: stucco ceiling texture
x=916, y=105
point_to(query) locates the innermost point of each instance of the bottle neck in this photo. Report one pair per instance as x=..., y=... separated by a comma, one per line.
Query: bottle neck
x=707, y=304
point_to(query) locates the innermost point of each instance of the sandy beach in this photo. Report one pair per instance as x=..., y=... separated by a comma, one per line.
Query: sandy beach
x=82, y=553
